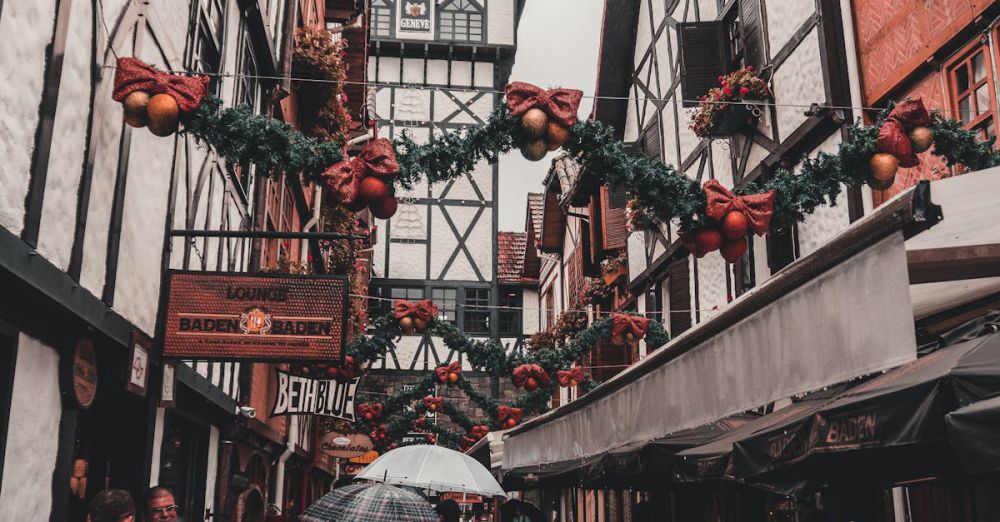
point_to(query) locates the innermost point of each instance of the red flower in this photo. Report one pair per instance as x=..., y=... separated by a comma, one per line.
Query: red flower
x=744, y=91
x=749, y=68
x=728, y=91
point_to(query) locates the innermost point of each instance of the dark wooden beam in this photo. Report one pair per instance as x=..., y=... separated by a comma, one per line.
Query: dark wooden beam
x=953, y=263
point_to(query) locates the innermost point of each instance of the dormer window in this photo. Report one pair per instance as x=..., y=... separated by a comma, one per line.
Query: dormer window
x=461, y=21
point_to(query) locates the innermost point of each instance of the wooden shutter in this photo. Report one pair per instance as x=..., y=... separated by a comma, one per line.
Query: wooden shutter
x=651, y=143
x=680, y=297
x=702, y=58
x=780, y=247
x=753, y=33
x=613, y=201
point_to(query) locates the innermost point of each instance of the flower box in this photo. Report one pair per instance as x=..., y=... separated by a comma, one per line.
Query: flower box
x=737, y=118
x=612, y=275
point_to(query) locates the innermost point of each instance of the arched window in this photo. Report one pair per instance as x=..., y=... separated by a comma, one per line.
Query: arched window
x=461, y=21
x=382, y=20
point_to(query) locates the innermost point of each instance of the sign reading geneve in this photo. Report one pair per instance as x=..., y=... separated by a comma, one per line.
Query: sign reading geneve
x=300, y=395
x=255, y=317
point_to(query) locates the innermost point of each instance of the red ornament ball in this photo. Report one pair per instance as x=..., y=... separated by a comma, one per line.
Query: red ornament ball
x=735, y=225
x=384, y=208
x=733, y=249
x=373, y=189
x=708, y=239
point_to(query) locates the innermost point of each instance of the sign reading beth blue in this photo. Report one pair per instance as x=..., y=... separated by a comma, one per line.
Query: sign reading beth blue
x=301, y=395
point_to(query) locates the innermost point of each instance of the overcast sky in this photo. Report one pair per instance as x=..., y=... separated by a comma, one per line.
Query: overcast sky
x=557, y=45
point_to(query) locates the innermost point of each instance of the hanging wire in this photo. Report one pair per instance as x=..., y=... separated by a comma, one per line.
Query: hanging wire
x=513, y=308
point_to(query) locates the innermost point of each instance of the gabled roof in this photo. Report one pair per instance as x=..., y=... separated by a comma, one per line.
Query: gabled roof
x=510, y=256
x=536, y=201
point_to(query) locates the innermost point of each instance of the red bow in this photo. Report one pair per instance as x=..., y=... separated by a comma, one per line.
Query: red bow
x=509, y=412
x=425, y=309
x=433, y=404
x=522, y=373
x=370, y=412
x=347, y=371
x=420, y=423
x=377, y=159
x=478, y=432
x=133, y=75
x=379, y=435
x=894, y=136
x=622, y=324
x=573, y=374
x=559, y=104
x=720, y=201
x=443, y=372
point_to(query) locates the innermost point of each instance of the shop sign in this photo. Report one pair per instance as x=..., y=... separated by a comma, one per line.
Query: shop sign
x=300, y=395
x=345, y=446
x=258, y=317
x=82, y=374
x=415, y=16
x=367, y=458
x=352, y=469
x=168, y=399
x=462, y=498
x=138, y=370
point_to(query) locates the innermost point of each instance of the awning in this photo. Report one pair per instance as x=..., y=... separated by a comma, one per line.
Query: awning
x=727, y=365
x=974, y=432
x=889, y=429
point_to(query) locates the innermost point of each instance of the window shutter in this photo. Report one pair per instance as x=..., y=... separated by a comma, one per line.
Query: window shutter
x=651, y=143
x=780, y=248
x=613, y=201
x=753, y=33
x=680, y=297
x=702, y=59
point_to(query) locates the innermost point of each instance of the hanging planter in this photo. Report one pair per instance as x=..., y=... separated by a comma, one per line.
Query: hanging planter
x=733, y=107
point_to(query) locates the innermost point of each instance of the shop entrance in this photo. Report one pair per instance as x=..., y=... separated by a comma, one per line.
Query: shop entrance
x=184, y=464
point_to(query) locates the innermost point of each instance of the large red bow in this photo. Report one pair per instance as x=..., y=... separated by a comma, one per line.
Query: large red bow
x=523, y=372
x=894, y=136
x=370, y=412
x=559, y=104
x=509, y=412
x=720, y=201
x=377, y=158
x=443, y=373
x=133, y=75
x=424, y=310
x=478, y=432
x=433, y=404
x=622, y=324
x=567, y=378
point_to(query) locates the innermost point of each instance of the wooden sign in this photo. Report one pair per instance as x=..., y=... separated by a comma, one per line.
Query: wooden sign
x=300, y=395
x=345, y=446
x=138, y=369
x=258, y=317
x=83, y=373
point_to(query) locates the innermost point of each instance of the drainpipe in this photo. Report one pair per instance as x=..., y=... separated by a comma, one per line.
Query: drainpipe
x=317, y=199
x=279, y=479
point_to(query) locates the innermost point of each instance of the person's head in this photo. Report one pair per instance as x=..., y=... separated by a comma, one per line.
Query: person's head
x=112, y=505
x=160, y=504
x=448, y=510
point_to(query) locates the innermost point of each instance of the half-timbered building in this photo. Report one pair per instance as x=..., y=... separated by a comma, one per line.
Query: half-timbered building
x=93, y=214
x=440, y=66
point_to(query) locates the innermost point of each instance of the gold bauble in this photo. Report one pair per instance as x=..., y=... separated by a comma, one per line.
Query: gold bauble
x=883, y=166
x=163, y=114
x=617, y=340
x=534, y=123
x=534, y=150
x=134, y=108
x=556, y=135
x=406, y=324
x=922, y=138
x=421, y=324
x=880, y=185
x=630, y=337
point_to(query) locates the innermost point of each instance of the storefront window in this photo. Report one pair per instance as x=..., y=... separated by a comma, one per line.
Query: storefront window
x=183, y=463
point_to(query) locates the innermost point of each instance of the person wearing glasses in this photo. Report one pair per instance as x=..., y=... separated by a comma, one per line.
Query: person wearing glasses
x=161, y=504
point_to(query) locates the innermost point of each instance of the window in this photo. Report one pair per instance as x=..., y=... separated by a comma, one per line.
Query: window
x=382, y=22
x=476, y=313
x=380, y=307
x=461, y=21
x=446, y=300
x=207, y=44
x=509, y=314
x=550, y=309
x=972, y=98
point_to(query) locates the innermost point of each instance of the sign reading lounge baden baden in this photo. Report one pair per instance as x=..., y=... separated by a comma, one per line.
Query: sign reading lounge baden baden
x=259, y=317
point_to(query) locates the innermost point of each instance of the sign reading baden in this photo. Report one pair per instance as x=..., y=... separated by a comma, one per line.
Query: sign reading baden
x=260, y=317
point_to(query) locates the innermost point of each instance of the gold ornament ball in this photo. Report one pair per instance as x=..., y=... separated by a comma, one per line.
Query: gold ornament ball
x=421, y=324
x=407, y=324
x=163, y=114
x=134, y=108
x=534, y=123
x=883, y=166
x=630, y=337
x=922, y=138
x=617, y=340
x=556, y=135
x=535, y=150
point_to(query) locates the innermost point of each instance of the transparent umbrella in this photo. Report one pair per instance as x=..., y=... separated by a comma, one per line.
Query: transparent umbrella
x=370, y=503
x=435, y=468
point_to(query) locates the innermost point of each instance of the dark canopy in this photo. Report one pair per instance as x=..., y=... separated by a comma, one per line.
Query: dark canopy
x=974, y=432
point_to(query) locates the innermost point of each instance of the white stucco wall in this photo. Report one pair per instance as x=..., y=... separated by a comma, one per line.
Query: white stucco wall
x=798, y=83
x=25, y=31
x=500, y=22
x=33, y=441
x=784, y=17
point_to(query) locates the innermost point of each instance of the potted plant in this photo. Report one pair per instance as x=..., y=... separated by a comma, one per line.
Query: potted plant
x=732, y=107
x=614, y=267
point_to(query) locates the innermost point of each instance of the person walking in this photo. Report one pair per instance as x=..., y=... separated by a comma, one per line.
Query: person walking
x=112, y=505
x=160, y=505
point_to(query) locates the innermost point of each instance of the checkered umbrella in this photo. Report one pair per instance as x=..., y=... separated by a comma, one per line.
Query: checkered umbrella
x=370, y=503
